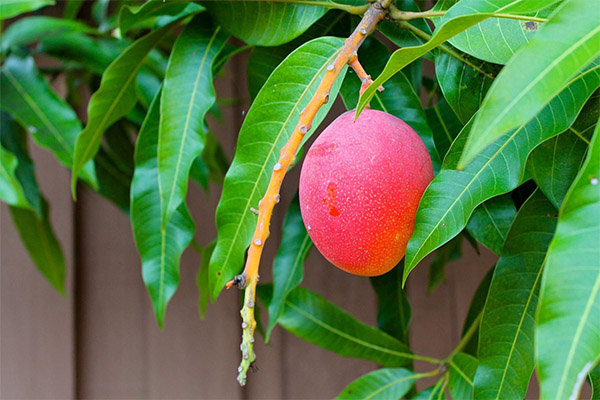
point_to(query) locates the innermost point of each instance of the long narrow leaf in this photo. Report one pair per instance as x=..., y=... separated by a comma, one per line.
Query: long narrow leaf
x=382, y=384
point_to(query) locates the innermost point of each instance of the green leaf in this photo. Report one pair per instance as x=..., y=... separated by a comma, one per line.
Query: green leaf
x=114, y=99
x=398, y=98
x=561, y=48
x=505, y=350
x=464, y=80
x=36, y=28
x=405, y=37
x=463, y=15
x=567, y=337
x=435, y=392
x=595, y=382
x=160, y=249
x=18, y=174
x=288, y=267
x=452, y=196
x=393, y=307
x=202, y=279
x=474, y=313
x=12, y=8
x=254, y=21
x=72, y=8
x=444, y=125
x=187, y=95
x=385, y=383
x=26, y=95
x=555, y=163
x=41, y=244
x=462, y=373
x=130, y=16
x=317, y=321
x=491, y=220
x=449, y=252
x=267, y=127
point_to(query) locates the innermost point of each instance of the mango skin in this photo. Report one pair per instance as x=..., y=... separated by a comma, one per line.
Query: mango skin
x=360, y=187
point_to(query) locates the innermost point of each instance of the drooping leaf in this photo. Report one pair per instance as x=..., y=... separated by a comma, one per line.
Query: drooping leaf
x=461, y=16
x=160, y=249
x=462, y=373
x=382, y=384
x=449, y=252
x=555, y=163
x=474, y=313
x=187, y=95
x=505, y=350
x=114, y=99
x=444, y=125
x=35, y=28
x=491, y=220
x=267, y=127
x=398, y=98
x=317, y=321
x=562, y=47
x=567, y=336
x=12, y=8
x=246, y=20
x=464, y=80
x=11, y=191
x=288, y=267
x=202, y=279
x=393, y=307
x=41, y=243
x=130, y=16
x=25, y=94
x=450, y=199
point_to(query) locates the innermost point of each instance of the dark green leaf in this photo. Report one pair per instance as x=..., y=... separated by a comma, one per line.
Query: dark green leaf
x=555, y=163
x=267, y=127
x=562, y=47
x=41, y=244
x=462, y=372
x=398, y=98
x=131, y=16
x=435, y=392
x=449, y=252
x=202, y=279
x=595, y=382
x=114, y=99
x=506, y=333
x=187, y=95
x=450, y=199
x=567, y=336
x=72, y=8
x=444, y=125
x=160, y=249
x=317, y=321
x=52, y=122
x=288, y=267
x=405, y=37
x=394, y=312
x=247, y=20
x=382, y=384
x=474, y=313
x=491, y=220
x=12, y=8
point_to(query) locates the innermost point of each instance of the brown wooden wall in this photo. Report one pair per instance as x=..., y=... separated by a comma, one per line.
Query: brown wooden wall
x=101, y=341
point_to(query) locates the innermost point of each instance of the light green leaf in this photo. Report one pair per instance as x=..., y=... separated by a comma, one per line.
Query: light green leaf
x=41, y=244
x=187, y=95
x=317, y=321
x=288, y=267
x=26, y=95
x=567, y=336
x=462, y=372
x=33, y=29
x=12, y=8
x=435, y=392
x=491, y=220
x=393, y=307
x=398, y=98
x=267, y=127
x=114, y=99
x=254, y=21
x=562, y=47
x=160, y=249
x=202, y=279
x=450, y=199
x=505, y=350
x=444, y=125
x=382, y=384
x=130, y=16
x=555, y=163
x=463, y=15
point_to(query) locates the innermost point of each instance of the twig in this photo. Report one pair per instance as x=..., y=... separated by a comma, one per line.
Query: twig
x=365, y=78
x=249, y=278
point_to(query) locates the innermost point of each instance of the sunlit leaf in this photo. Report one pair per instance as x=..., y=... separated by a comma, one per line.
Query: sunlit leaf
x=130, y=16
x=462, y=372
x=382, y=384
x=12, y=8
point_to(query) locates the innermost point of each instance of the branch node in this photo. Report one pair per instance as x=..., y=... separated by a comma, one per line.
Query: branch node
x=253, y=210
x=277, y=167
x=257, y=242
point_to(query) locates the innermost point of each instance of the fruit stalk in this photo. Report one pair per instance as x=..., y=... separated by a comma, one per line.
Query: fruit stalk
x=249, y=278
